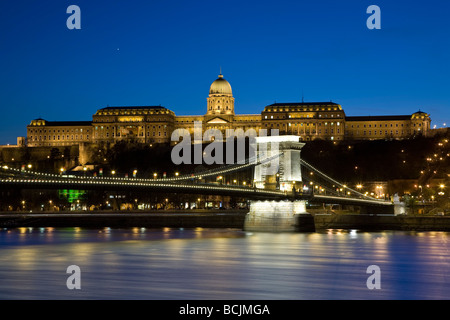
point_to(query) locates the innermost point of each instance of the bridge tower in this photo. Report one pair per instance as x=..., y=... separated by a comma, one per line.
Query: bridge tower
x=282, y=172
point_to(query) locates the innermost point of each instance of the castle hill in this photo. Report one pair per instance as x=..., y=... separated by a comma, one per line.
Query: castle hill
x=392, y=158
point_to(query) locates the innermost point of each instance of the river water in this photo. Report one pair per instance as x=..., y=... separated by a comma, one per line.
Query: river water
x=168, y=264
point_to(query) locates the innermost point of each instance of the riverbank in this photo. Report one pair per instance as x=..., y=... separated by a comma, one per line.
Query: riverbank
x=381, y=222
x=220, y=219
x=156, y=219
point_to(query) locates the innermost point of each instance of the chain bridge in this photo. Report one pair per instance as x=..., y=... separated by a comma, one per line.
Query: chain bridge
x=279, y=189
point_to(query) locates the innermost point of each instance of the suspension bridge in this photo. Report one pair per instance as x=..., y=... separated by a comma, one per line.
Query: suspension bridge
x=316, y=188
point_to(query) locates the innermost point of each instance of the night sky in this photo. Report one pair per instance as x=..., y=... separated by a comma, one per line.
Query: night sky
x=168, y=53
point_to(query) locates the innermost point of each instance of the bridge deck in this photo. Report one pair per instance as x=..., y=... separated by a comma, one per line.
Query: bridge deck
x=170, y=187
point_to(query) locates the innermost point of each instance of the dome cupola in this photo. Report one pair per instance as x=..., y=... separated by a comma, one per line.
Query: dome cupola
x=220, y=100
x=220, y=86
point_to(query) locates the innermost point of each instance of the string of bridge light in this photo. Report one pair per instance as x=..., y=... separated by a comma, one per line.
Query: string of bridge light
x=207, y=173
x=140, y=182
x=231, y=168
x=370, y=200
x=328, y=189
x=262, y=192
x=319, y=186
x=152, y=183
x=132, y=182
x=306, y=164
x=143, y=184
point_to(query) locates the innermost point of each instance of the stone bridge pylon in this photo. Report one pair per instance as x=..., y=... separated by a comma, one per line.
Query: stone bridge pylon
x=281, y=173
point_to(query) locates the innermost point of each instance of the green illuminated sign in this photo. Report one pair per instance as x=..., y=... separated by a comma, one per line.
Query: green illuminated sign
x=71, y=195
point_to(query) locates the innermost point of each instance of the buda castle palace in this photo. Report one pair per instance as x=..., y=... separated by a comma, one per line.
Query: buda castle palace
x=155, y=124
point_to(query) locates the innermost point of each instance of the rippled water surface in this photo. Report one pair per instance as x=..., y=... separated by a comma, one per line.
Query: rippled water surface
x=222, y=264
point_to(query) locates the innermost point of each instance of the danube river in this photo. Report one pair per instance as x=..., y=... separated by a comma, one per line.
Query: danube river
x=181, y=264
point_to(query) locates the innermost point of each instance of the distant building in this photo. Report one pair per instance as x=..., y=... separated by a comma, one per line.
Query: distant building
x=387, y=127
x=310, y=121
x=155, y=124
x=41, y=133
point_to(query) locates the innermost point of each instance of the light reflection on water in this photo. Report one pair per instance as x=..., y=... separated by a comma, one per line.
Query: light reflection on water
x=141, y=263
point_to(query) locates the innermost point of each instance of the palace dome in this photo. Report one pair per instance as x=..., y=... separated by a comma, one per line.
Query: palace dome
x=220, y=86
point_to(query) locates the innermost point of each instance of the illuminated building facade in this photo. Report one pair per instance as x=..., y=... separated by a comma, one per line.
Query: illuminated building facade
x=387, y=127
x=41, y=132
x=309, y=121
x=155, y=124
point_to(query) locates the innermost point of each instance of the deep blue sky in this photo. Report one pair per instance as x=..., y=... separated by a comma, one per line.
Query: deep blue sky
x=169, y=52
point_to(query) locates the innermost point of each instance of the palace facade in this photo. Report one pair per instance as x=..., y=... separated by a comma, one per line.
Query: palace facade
x=155, y=124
